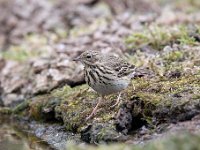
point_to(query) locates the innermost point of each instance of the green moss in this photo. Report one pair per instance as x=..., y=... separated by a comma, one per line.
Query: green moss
x=19, y=53
x=155, y=36
x=161, y=97
x=35, y=45
x=184, y=141
x=5, y=111
x=184, y=38
x=166, y=97
x=36, y=106
x=150, y=97
x=21, y=107
x=174, y=56
x=158, y=37
x=137, y=40
x=78, y=31
x=72, y=109
x=77, y=103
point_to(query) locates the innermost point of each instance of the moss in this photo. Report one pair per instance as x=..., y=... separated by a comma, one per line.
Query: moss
x=104, y=132
x=161, y=97
x=184, y=141
x=61, y=33
x=174, y=56
x=71, y=109
x=185, y=38
x=77, y=103
x=5, y=111
x=43, y=107
x=137, y=39
x=36, y=106
x=165, y=99
x=21, y=107
x=19, y=53
x=78, y=31
x=157, y=37
x=35, y=45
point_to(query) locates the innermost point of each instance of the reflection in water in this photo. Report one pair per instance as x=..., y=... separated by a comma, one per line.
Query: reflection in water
x=11, y=138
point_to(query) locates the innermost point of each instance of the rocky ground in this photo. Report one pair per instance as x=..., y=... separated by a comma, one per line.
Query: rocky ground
x=42, y=88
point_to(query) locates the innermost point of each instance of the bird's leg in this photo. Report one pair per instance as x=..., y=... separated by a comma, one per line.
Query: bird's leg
x=95, y=108
x=118, y=100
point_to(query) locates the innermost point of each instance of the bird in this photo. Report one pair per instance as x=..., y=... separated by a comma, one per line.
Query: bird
x=106, y=74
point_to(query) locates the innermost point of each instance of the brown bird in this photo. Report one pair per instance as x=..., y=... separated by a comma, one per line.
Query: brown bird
x=106, y=74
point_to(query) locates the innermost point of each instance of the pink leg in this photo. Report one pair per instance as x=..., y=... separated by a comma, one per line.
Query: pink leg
x=118, y=100
x=95, y=109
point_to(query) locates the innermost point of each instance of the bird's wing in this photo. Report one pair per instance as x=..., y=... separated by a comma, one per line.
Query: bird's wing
x=120, y=66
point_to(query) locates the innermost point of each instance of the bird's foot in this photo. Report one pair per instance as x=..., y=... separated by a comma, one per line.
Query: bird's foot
x=118, y=101
x=94, y=110
x=93, y=113
x=90, y=116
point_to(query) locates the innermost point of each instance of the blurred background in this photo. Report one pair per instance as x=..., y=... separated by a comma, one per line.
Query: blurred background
x=39, y=38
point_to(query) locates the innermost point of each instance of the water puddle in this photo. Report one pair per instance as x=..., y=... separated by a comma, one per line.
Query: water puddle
x=12, y=138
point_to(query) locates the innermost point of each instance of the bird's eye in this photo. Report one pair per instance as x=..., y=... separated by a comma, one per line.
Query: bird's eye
x=88, y=56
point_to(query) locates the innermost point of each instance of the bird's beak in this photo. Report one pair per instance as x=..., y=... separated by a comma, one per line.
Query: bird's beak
x=77, y=59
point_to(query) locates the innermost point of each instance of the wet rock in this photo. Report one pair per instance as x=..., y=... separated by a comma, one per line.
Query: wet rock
x=55, y=135
x=98, y=132
x=14, y=137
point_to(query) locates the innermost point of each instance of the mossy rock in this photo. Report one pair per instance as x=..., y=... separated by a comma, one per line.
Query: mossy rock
x=77, y=103
x=183, y=141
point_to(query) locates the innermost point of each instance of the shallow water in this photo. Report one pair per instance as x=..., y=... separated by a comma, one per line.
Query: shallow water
x=12, y=138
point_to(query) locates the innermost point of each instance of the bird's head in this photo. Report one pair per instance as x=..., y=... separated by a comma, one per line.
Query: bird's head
x=89, y=57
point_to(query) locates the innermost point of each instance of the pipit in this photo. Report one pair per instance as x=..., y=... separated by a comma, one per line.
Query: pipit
x=106, y=74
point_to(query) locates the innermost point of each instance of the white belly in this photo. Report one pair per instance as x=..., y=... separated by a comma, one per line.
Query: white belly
x=114, y=87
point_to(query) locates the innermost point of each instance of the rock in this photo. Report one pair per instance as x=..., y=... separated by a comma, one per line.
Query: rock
x=124, y=119
x=98, y=132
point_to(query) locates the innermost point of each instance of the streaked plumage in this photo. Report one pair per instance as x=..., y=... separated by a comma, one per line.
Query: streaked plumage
x=106, y=73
